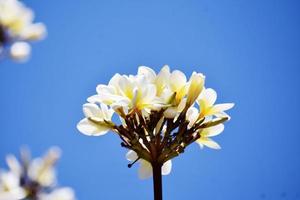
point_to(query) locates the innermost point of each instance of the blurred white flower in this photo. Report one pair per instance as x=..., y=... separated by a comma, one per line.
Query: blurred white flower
x=17, y=27
x=10, y=188
x=32, y=179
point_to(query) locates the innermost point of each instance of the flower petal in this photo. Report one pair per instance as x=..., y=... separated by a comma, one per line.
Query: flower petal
x=148, y=73
x=162, y=79
x=166, y=168
x=192, y=115
x=177, y=80
x=220, y=108
x=208, y=142
x=170, y=112
x=20, y=51
x=145, y=170
x=89, y=128
x=212, y=131
x=196, y=83
x=131, y=155
x=91, y=110
x=209, y=95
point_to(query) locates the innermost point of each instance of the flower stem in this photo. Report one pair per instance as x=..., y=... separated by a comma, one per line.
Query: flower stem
x=157, y=181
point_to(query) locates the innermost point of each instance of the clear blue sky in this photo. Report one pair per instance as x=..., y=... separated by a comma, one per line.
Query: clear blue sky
x=249, y=51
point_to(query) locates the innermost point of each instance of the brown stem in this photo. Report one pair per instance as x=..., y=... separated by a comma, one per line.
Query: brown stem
x=157, y=181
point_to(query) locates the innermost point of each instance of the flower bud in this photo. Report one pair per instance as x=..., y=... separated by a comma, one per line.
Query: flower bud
x=195, y=88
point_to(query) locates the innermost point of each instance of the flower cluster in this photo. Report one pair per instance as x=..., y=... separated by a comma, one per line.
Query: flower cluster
x=32, y=179
x=160, y=115
x=17, y=29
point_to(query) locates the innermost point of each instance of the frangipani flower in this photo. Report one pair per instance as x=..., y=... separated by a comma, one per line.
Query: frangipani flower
x=32, y=179
x=17, y=29
x=97, y=121
x=10, y=188
x=159, y=117
x=206, y=102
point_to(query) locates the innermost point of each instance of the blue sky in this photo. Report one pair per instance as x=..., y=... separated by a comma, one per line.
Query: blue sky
x=248, y=50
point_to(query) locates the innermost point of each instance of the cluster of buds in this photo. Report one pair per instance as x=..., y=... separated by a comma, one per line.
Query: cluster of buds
x=17, y=29
x=160, y=115
x=32, y=179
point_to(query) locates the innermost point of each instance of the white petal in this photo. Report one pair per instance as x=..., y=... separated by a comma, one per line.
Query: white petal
x=192, y=115
x=162, y=79
x=114, y=81
x=42, y=172
x=20, y=51
x=148, y=73
x=222, y=115
x=14, y=165
x=196, y=83
x=181, y=105
x=34, y=32
x=91, y=110
x=166, y=168
x=158, y=126
x=213, y=131
x=126, y=86
x=95, y=99
x=106, y=113
x=177, y=80
x=149, y=93
x=145, y=170
x=170, y=113
x=105, y=89
x=209, y=95
x=87, y=127
x=208, y=142
x=222, y=107
x=131, y=156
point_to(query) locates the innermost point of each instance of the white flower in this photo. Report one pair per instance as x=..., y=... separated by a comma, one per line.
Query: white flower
x=186, y=92
x=96, y=121
x=20, y=51
x=17, y=19
x=58, y=194
x=16, y=24
x=145, y=170
x=206, y=102
x=42, y=169
x=205, y=135
x=10, y=188
x=127, y=92
x=161, y=81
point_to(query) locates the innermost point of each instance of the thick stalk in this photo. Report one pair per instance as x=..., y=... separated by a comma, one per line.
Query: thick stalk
x=157, y=181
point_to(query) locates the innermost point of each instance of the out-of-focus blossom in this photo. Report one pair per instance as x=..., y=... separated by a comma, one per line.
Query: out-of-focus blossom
x=32, y=179
x=17, y=28
x=160, y=113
